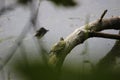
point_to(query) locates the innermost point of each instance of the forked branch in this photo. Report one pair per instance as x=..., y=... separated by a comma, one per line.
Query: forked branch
x=81, y=34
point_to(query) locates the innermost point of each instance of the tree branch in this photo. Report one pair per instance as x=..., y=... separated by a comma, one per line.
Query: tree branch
x=104, y=35
x=80, y=35
x=108, y=61
x=102, y=15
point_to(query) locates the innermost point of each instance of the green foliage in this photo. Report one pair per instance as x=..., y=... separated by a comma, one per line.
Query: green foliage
x=36, y=71
x=39, y=71
x=66, y=3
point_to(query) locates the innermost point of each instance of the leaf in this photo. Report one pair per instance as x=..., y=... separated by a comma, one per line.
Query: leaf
x=41, y=32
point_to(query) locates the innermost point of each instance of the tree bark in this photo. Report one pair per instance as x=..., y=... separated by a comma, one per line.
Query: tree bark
x=80, y=35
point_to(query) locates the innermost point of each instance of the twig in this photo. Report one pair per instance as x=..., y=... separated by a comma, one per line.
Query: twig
x=34, y=18
x=34, y=23
x=18, y=42
x=103, y=14
x=104, y=35
x=16, y=45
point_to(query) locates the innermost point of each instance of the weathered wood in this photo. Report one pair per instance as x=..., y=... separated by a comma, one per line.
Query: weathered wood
x=80, y=35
